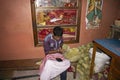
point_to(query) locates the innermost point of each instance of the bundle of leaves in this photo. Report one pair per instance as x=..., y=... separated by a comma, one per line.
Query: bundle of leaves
x=84, y=61
x=80, y=54
x=72, y=54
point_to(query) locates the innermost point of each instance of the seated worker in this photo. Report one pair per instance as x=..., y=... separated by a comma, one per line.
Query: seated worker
x=53, y=49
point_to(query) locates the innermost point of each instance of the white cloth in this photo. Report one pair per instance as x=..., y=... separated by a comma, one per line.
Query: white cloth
x=52, y=68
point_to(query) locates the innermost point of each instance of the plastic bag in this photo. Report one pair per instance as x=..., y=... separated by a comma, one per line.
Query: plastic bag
x=100, y=60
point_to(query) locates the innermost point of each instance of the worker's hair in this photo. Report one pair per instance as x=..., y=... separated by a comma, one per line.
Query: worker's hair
x=58, y=31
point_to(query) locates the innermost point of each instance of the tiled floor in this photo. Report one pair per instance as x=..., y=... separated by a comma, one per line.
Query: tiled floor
x=31, y=75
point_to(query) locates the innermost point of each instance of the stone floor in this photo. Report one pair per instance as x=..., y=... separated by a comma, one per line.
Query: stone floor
x=29, y=75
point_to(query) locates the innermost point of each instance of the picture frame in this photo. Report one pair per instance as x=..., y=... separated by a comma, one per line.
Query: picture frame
x=46, y=16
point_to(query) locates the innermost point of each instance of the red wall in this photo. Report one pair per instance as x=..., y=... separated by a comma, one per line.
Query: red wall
x=16, y=34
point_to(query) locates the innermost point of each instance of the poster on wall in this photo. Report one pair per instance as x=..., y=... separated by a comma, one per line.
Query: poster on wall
x=93, y=13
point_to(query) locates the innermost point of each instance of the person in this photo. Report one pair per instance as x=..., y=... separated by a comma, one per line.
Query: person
x=53, y=44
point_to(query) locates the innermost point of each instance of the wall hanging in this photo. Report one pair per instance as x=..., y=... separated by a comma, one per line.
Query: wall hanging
x=93, y=13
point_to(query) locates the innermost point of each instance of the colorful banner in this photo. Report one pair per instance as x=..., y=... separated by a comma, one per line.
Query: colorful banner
x=93, y=13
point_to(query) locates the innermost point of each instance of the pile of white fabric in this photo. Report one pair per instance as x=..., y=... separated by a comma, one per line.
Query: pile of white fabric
x=100, y=60
x=50, y=67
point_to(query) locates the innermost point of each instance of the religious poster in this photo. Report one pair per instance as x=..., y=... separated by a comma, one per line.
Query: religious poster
x=93, y=13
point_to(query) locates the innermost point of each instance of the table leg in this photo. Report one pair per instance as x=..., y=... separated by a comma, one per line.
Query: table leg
x=111, y=67
x=92, y=61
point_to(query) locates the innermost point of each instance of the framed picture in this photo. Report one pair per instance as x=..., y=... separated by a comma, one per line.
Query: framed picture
x=46, y=14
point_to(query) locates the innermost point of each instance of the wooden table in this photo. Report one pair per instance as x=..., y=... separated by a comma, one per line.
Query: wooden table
x=111, y=47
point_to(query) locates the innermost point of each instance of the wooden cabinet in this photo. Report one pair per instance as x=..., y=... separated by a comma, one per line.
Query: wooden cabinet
x=47, y=14
x=115, y=71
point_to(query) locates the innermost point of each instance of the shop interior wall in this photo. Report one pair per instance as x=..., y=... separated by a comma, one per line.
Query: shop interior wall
x=16, y=33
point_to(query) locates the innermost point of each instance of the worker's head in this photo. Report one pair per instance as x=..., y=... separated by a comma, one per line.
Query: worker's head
x=57, y=32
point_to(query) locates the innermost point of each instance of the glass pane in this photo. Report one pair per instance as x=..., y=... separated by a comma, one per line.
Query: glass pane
x=69, y=33
x=56, y=17
x=42, y=32
x=56, y=3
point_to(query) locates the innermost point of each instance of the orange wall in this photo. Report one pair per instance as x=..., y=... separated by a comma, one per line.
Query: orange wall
x=109, y=14
x=16, y=34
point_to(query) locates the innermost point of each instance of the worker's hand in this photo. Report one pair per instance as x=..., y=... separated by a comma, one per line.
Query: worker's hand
x=61, y=50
